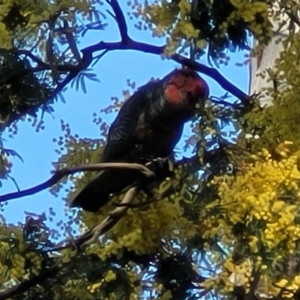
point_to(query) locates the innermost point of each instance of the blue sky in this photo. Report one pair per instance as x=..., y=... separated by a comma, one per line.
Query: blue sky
x=38, y=150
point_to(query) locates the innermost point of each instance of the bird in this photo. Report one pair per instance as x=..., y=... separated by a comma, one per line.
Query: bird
x=148, y=126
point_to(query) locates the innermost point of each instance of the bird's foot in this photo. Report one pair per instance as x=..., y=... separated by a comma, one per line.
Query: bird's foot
x=161, y=166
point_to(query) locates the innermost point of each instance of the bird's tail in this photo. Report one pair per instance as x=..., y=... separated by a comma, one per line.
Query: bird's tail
x=97, y=192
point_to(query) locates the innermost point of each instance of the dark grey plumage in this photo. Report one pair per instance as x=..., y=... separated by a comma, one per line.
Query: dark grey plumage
x=148, y=125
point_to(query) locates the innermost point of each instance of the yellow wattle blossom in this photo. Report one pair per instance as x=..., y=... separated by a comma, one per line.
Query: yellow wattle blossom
x=110, y=276
x=260, y=218
x=92, y=288
x=253, y=243
x=185, y=7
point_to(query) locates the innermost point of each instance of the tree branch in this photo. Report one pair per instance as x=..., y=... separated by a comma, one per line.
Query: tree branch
x=58, y=175
x=120, y=19
x=159, y=50
x=34, y=58
x=27, y=284
x=112, y=218
x=128, y=44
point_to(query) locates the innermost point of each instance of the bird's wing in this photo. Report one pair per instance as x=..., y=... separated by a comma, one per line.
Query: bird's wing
x=124, y=132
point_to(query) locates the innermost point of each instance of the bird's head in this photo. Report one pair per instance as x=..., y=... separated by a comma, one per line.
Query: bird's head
x=185, y=88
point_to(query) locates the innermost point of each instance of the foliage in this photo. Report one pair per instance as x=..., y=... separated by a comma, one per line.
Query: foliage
x=279, y=122
x=20, y=89
x=39, y=51
x=222, y=25
x=229, y=227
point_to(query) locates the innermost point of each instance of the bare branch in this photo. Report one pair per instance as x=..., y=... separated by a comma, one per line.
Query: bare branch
x=27, y=284
x=58, y=175
x=120, y=19
x=33, y=57
x=128, y=44
x=213, y=73
x=114, y=217
x=159, y=50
